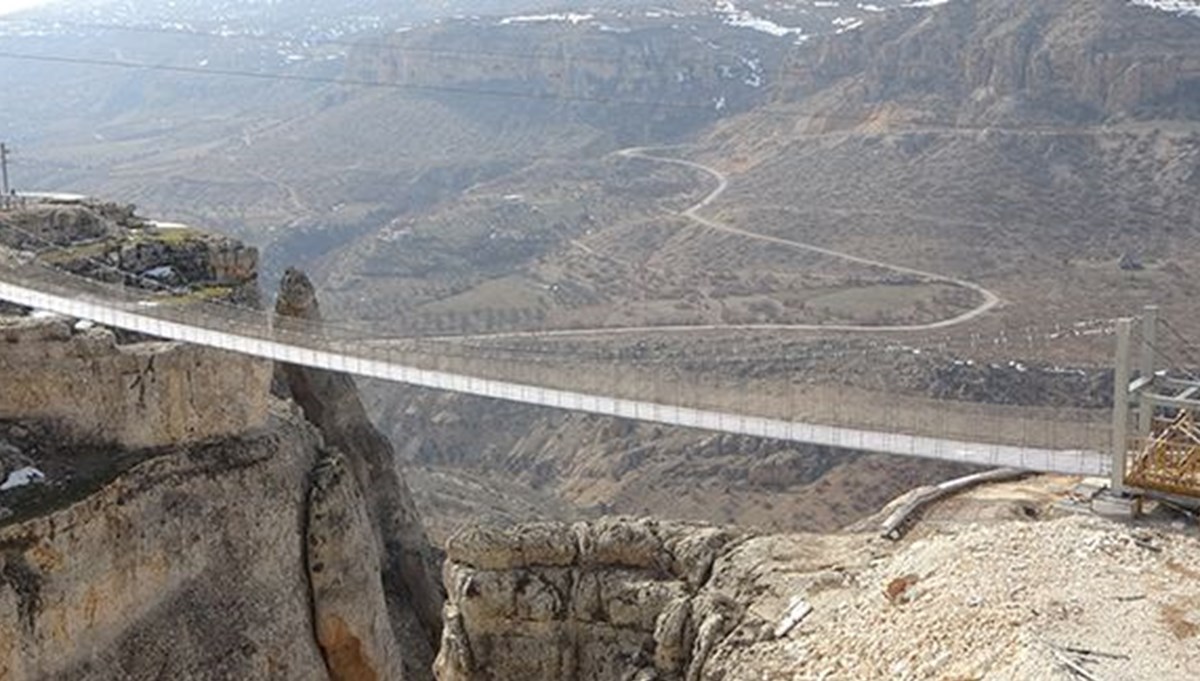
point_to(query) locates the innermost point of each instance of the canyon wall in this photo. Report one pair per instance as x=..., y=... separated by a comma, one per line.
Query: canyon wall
x=153, y=394
x=189, y=565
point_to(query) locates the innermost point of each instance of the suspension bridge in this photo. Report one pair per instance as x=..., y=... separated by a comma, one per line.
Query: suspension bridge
x=319, y=345
x=1155, y=451
x=1153, y=439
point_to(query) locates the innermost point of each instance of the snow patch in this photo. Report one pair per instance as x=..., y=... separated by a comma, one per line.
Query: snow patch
x=844, y=24
x=22, y=477
x=754, y=77
x=743, y=19
x=1189, y=8
x=160, y=273
x=568, y=17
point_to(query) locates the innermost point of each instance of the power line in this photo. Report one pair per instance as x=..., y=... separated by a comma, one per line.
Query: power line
x=790, y=116
x=279, y=38
x=276, y=39
x=353, y=82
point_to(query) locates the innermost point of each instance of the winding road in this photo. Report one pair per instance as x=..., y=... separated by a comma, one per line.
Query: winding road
x=989, y=299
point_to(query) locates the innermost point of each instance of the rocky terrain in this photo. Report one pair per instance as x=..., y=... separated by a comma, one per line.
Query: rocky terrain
x=1000, y=583
x=1046, y=150
x=1032, y=144
x=109, y=243
x=187, y=564
x=1033, y=147
x=299, y=529
x=162, y=513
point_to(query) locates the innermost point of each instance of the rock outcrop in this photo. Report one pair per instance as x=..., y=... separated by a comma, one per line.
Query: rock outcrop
x=111, y=243
x=352, y=627
x=188, y=565
x=988, y=589
x=679, y=79
x=990, y=62
x=331, y=401
x=143, y=395
x=176, y=521
x=612, y=599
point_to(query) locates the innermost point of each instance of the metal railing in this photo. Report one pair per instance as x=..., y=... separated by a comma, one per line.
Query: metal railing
x=328, y=346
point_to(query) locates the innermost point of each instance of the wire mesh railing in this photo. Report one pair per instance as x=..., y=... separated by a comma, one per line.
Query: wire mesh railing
x=1067, y=440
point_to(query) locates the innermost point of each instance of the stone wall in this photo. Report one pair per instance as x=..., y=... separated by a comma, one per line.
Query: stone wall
x=144, y=395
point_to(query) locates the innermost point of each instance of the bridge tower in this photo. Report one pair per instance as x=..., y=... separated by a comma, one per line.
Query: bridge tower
x=1155, y=432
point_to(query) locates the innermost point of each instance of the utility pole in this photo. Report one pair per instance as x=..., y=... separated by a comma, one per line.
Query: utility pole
x=4, y=168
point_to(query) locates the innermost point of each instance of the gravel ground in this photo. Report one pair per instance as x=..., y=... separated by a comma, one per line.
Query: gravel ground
x=991, y=599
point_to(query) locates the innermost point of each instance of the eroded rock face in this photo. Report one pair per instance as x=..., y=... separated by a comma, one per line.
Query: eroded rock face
x=189, y=565
x=408, y=564
x=137, y=396
x=1079, y=61
x=612, y=599
x=350, y=613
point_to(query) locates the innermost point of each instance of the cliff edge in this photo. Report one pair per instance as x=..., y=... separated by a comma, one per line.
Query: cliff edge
x=162, y=515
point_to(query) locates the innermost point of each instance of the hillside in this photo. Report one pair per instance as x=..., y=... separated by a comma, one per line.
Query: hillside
x=915, y=217
x=1028, y=147
x=1031, y=144
x=903, y=141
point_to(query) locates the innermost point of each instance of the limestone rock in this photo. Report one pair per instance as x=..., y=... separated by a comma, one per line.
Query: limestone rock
x=629, y=599
x=539, y=544
x=349, y=608
x=331, y=401
x=138, y=396
x=11, y=458
x=189, y=565
x=1068, y=61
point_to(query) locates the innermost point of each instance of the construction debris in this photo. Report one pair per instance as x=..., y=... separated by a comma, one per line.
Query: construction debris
x=796, y=613
x=920, y=498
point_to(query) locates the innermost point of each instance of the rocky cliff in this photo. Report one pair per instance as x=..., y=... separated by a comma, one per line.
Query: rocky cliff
x=605, y=600
x=656, y=80
x=1000, y=583
x=109, y=242
x=189, y=565
x=343, y=568
x=1006, y=63
x=141, y=395
x=162, y=515
x=406, y=560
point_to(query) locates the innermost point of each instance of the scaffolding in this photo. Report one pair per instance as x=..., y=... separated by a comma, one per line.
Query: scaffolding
x=1162, y=454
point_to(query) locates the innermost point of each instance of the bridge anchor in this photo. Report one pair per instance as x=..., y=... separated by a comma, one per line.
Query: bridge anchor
x=1162, y=457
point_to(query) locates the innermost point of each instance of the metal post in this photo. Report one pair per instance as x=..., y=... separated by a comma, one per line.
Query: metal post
x=1120, y=415
x=1146, y=368
x=4, y=195
x=4, y=168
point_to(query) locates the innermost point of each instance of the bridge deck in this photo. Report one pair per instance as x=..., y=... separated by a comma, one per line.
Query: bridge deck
x=243, y=335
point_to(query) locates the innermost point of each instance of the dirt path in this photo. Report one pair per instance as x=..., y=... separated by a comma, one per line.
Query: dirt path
x=989, y=299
